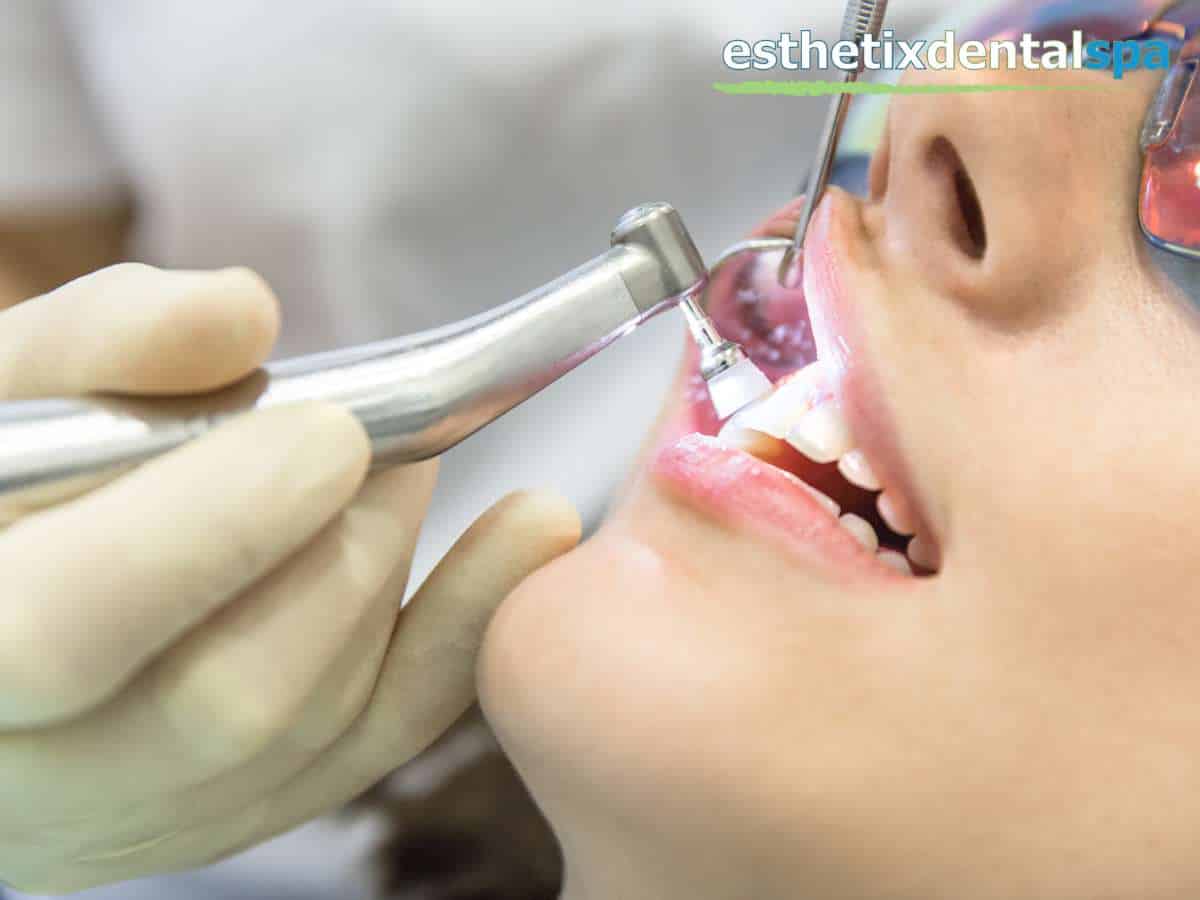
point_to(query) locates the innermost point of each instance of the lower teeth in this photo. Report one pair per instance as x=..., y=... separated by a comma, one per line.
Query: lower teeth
x=923, y=553
x=894, y=560
x=862, y=530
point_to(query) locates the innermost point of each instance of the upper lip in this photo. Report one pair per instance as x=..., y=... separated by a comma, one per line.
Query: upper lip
x=835, y=248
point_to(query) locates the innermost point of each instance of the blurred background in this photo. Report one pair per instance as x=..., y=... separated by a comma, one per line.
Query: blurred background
x=393, y=165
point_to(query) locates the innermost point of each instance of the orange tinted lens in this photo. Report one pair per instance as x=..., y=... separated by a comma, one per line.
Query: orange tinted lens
x=1170, y=199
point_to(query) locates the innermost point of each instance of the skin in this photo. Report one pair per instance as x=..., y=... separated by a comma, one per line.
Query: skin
x=704, y=713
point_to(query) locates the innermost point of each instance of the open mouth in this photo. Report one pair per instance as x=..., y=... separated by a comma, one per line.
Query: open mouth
x=796, y=442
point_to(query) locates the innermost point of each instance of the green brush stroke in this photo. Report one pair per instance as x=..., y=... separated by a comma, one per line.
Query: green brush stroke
x=826, y=88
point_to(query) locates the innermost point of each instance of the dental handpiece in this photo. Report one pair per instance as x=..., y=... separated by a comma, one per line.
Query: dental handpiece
x=416, y=396
x=732, y=379
x=862, y=18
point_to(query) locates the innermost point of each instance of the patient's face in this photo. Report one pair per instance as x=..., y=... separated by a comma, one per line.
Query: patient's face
x=725, y=694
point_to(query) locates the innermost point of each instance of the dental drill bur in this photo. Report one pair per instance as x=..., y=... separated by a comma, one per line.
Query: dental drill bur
x=415, y=396
x=863, y=18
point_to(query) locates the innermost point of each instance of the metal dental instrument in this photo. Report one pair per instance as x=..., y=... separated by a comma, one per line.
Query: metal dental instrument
x=863, y=18
x=732, y=379
x=416, y=396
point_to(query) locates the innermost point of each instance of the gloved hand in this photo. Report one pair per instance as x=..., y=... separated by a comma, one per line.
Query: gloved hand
x=209, y=650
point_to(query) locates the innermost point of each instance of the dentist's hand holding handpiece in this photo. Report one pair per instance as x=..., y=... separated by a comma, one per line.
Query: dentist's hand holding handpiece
x=210, y=649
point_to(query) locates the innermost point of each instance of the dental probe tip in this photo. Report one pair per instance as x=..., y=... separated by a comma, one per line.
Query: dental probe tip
x=791, y=273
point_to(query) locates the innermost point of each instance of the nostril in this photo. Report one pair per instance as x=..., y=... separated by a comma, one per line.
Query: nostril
x=966, y=223
x=972, y=214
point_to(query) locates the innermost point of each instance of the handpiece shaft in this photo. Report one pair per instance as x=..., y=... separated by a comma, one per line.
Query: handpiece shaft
x=415, y=396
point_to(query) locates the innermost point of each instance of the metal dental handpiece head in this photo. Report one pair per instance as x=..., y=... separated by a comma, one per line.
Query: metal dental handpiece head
x=416, y=396
x=862, y=18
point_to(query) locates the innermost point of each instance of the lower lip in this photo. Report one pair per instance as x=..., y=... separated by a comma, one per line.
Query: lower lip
x=743, y=492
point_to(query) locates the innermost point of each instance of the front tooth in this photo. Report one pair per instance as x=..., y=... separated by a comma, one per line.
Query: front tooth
x=777, y=412
x=821, y=434
x=862, y=530
x=895, y=513
x=924, y=553
x=894, y=560
x=855, y=469
x=824, y=499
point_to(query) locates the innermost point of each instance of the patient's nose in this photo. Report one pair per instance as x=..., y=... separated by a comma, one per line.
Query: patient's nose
x=993, y=194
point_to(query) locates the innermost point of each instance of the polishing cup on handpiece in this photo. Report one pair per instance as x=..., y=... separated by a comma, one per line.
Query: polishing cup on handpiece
x=737, y=387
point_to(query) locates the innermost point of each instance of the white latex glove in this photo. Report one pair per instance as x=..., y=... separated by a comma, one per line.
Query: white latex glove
x=209, y=650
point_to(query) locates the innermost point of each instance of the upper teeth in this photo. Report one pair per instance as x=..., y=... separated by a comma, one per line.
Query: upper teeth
x=821, y=433
x=894, y=511
x=777, y=412
x=803, y=412
x=855, y=469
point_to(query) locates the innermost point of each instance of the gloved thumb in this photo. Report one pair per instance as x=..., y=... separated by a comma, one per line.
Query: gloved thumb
x=138, y=330
x=429, y=677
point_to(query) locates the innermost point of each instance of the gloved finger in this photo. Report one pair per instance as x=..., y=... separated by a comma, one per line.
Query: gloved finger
x=345, y=689
x=427, y=679
x=257, y=674
x=96, y=588
x=139, y=330
x=215, y=818
x=425, y=683
x=254, y=693
x=430, y=669
x=201, y=822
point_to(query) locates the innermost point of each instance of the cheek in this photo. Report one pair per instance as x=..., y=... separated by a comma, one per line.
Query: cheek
x=1078, y=433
